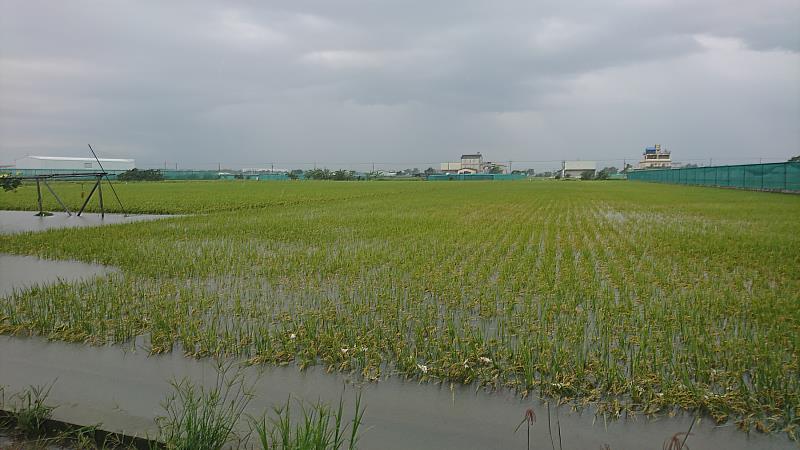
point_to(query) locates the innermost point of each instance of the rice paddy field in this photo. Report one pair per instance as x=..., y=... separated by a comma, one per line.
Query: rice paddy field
x=626, y=297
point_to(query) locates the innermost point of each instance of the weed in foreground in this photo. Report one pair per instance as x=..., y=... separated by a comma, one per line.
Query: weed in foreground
x=319, y=427
x=199, y=417
x=29, y=411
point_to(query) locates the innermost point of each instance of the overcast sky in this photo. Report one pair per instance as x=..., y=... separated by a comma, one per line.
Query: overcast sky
x=406, y=82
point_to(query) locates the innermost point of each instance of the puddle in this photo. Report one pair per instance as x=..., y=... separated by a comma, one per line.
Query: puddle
x=123, y=390
x=12, y=222
x=18, y=273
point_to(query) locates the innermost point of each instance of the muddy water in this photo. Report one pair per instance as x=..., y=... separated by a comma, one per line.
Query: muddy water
x=23, y=272
x=12, y=222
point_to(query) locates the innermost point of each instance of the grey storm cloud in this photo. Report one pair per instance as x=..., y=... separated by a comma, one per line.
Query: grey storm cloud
x=407, y=83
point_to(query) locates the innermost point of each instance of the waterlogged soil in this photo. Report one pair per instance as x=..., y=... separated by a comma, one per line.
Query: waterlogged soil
x=122, y=388
x=12, y=222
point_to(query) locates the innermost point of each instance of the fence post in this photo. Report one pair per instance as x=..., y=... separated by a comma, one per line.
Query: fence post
x=785, y=180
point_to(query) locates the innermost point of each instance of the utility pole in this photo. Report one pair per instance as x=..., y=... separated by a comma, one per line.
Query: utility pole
x=509, y=165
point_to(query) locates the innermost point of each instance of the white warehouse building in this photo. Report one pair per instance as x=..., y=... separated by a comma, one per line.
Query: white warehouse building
x=69, y=163
x=575, y=169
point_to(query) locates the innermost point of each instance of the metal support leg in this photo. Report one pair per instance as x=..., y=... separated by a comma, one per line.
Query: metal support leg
x=89, y=197
x=39, y=196
x=57, y=199
x=100, y=193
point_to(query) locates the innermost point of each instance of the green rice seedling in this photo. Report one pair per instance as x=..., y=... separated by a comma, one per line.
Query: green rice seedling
x=204, y=417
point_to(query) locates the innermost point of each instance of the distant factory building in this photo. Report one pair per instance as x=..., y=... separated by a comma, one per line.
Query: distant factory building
x=472, y=163
x=68, y=163
x=655, y=158
x=575, y=169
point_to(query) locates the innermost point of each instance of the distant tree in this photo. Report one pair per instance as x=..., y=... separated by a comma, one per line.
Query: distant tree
x=9, y=183
x=494, y=168
x=610, y=170
x=605, y=172
x=530, y=172
x=558, y=176
x=141, y=175
x=430, y=171
x=627, y=168
x=587, y=175
x=343, y=175
x=794, y=158
x=690, y=166
x=319, y=174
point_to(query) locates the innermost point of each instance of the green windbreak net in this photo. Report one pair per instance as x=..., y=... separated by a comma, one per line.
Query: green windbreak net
x=771, y=177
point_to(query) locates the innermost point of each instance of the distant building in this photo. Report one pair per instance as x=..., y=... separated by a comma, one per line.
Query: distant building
x=655, y=158
x=472, y=163
x=575, y=169
x=69, y=164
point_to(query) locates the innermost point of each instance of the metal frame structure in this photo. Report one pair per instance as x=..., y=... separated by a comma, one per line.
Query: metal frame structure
x=42, y=179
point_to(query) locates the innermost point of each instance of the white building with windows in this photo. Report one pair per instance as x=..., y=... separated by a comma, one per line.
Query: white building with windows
x=471, y=163
x=656, y=157
x=69, y=163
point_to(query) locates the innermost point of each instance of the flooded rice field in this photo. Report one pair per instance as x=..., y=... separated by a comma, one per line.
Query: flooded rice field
x=122, y=388
x=561, y=300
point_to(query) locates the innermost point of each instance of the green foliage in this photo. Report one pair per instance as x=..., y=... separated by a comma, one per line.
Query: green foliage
x=587, y=175
x=325, y=174
x=319, y=427
x=606, y=172
x=29, y=412
x=141, y=175
x=343, y=175
x=794, y=158
x=9, y=183
x=630, y=297
x=201, y=417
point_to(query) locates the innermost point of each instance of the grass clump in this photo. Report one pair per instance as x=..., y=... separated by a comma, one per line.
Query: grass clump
x=28, y=411
x=319, y=427
x=199, y=417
